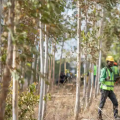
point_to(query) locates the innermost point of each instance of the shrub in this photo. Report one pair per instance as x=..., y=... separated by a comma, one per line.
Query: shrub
x=26, y=103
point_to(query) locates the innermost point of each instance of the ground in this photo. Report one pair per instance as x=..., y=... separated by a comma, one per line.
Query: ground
x=61, y=106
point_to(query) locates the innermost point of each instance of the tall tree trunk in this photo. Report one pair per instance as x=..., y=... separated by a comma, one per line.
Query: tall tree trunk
x=42, y=73
x=15, y=74
x=100, y=47
x=61, y=60
x=54, y=47
x=7, y=75
x=45, y=73
x=85, y=62
x=77, y=103
x=15, y=85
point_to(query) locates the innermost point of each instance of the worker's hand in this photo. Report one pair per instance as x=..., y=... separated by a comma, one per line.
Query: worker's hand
x=108, y=78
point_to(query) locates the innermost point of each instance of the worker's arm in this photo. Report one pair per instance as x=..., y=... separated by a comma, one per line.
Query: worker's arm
x=103, y=75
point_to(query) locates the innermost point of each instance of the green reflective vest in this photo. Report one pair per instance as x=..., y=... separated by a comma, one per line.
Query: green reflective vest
x=106, y=84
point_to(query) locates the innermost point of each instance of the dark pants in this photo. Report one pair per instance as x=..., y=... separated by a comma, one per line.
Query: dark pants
x=112, y=97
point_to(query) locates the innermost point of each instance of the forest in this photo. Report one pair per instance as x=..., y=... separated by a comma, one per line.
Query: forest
x=51, y=56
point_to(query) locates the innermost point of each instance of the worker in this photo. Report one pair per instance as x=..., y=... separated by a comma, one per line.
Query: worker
x=107, y=86
x=63, y=77
x=95, y=72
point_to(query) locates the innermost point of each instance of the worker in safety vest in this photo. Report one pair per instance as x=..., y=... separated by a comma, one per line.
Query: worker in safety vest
x=107, y=86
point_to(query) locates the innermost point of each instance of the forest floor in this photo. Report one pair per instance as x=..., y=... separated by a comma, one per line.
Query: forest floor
x=91, y=113
x=61, y=106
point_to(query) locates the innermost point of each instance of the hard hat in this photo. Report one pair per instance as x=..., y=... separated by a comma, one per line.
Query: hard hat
x=115, y=63
x=110, y=58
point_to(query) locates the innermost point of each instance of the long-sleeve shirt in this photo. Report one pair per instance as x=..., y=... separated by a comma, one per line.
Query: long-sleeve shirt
x=103, y=75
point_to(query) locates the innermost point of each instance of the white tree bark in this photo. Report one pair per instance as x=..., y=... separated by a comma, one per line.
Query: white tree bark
x=53, y=77
x=15, y=74
x=15, y=85
x=77, y=102
x=100, y=47
x=42, y=73
x=45, y=73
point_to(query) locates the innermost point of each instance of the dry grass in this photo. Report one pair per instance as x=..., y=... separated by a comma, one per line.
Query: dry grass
x=91, y=114
x=61, y=106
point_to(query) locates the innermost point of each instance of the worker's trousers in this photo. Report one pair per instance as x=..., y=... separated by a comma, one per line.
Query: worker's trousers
x=112, y=97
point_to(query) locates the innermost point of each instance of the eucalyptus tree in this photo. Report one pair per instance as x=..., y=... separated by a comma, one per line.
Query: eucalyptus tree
x=45, y=72
x=14, y=72
x=41, y=70
x=77, y=102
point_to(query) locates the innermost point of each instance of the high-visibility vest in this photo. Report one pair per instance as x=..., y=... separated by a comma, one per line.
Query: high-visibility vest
x=108, y=84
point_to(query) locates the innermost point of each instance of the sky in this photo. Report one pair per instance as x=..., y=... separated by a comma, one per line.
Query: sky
x=69, y=45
